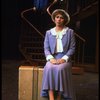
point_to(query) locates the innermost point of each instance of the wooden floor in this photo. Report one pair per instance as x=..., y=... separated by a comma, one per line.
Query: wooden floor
x=86, y=85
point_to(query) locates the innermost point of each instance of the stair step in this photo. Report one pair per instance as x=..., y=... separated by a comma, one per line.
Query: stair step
x=77, y=70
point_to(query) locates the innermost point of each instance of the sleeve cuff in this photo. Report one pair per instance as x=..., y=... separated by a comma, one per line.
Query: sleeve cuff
x=65, y=58
x=49, y=57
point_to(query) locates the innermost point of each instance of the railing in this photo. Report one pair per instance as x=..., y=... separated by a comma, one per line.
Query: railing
x=31, y=25
x=78, y=57
x=48, y=9
x=81, y=5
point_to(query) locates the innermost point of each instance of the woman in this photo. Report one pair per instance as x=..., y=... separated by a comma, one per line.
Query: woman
x=59, y=46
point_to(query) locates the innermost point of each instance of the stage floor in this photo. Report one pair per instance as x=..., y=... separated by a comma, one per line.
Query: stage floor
x=86, y=85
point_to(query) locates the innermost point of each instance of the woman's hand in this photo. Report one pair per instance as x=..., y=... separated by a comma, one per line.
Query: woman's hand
x=60, y=61
x=53, y=61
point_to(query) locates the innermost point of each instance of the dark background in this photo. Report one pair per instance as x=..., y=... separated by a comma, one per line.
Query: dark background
x=10, y=27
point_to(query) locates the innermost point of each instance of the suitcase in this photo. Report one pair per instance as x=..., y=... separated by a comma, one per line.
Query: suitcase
x=29, y=83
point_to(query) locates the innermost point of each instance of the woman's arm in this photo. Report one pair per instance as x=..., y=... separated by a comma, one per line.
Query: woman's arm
x=72, y=45
x=47, y=50
x=71, y=49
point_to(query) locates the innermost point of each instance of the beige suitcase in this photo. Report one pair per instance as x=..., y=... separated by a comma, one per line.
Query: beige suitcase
x=30, y=82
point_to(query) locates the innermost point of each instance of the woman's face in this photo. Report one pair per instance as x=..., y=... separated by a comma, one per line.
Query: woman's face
x=59, y=20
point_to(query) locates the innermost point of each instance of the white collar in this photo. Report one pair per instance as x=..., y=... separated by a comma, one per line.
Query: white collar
x=53, y=31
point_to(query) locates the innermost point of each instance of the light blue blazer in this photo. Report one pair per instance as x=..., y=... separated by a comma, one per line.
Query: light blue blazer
x=68, y=42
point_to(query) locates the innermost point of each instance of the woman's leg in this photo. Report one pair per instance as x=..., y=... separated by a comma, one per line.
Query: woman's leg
x=59, y=96
x=51, y=95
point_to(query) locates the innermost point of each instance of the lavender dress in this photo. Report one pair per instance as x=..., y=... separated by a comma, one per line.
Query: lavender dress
x=58, y=77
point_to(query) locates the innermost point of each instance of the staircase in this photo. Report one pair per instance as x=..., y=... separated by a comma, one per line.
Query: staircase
x=31, y=44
